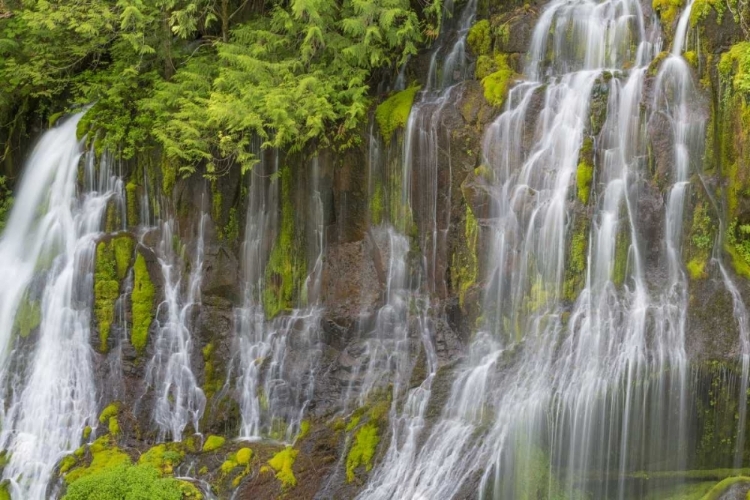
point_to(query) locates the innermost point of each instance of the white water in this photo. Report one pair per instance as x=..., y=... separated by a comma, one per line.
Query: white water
x=179, y=400
x=578, y=395
x=47, y=251
x=275, y=382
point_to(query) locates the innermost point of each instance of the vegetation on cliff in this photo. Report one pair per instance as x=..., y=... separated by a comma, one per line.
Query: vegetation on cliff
x=198, y=79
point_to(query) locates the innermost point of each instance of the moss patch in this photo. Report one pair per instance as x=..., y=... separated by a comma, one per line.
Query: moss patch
x=479, y=38
x=393, y=113
x=244, y=455
x=127, y=481
x=496, y=84
x=285, y=271
x=465, y=265
x=163, y=457
x=283, y=463
x=213, y=443
x=585, y=170
x=131, y=193
x=363, y=451
x=668, y=10
x=103, y=456
x=28, y=317
x=106, y=291
x=143, y=304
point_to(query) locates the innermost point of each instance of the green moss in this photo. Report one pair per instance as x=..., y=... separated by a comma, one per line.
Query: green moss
x=353, y=423
x=104, y=456
x=283, y=463
x=697, y=268
x=131, y=192
x=393, y=113
x=114, y=426
x=123, y=252
x=143, y=304
x=68, y=463
x=28, y=317
x=128, y=482
x=285, y=271
x=363, y=450
x=465, y=264
x=575, y=271
x=479, y=38
x=484, y=67
x=585, y=171
x=109, y=412
x=667, y=10
x=377, y=207
x=168, y=175
x=213, y=443
x=106, y=291
x=4, y=493
x=163, y=457
x=653, y=68
x=622, y=249
x=716, y=492
x=244, y=455
x=211, y=382
x=86, y=432
x=496, y=84
x=231, y=231
x=228, y=466
x=702, y=8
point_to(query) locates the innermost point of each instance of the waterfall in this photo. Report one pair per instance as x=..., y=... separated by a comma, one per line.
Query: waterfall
x=47, y=260
x=179, y=400
x=276, y=383
x=593, y=388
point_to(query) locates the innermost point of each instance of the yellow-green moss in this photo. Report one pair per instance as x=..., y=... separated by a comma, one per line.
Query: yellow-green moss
x=163, y=457
x=211, y=383
x=575, y=271
x=653, y=67
x=479, y=38
x=213, y=443
x=131, y=193
x=68, y=463
x=393, y=113
x=697, y=268
x=691, y=57
x=363, y=450
x=244, y=455
x=722, y=486
x=622, y=249
x=496, y=84
x=228, y=466
x=701, y=9
x=465, y=265
x=283, y=463
x=109, y=412
x=123, y=253
x=114, y=426
x=143, y=304
x=4, y=493
x=28, y=317
x=585, y=171
x=87, y=432
x=377, y=204
x=106, y=291
x=285, y=271
x=668, y=10
x=104, y=456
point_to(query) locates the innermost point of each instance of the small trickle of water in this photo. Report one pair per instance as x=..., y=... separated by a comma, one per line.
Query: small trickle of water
x=179, y=400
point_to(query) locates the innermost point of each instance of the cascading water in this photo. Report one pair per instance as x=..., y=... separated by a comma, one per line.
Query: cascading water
x=47, y=260
x=179, y=400
x=591, y=389
x=275, y=387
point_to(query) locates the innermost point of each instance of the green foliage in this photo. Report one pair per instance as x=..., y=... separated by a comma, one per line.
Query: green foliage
x=393, y=113
x=201, y=79
x=213, y=443
x=479, y=38
x=143, y=304
x=363, y=451
x=738, y=247
x=734, y=67
x=496, y=84
x=283, y=463
x=125, y=482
